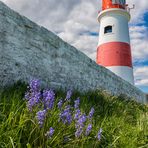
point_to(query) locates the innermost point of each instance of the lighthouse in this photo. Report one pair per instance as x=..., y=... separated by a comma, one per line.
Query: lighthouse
x=114, y=51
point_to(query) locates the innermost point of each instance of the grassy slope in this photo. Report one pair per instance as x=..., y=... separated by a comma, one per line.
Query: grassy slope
x=124, y=123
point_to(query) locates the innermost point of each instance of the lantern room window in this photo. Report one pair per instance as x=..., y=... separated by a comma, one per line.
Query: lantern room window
x=120, y=2
x=108, y=29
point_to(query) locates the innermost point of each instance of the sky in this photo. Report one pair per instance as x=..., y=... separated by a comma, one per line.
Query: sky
x=75, y=21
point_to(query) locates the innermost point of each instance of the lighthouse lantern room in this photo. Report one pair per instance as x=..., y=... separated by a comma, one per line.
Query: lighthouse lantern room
x=114, y=51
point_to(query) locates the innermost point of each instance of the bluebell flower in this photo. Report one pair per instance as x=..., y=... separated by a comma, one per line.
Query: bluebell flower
x=50, y=133
x=99, y=134
x=65, y=115
x=48, y=99
x=33, y=100
x=77, y=114
x=34, y=85
x=78, y=132
x=91, y=113
x=33, y=95
x=82, y=120
x=68, y=95
x=77, y=103
x=88, y=130
x=40, y=115
x=27, y=96
x=60, y=103
x=79, y=125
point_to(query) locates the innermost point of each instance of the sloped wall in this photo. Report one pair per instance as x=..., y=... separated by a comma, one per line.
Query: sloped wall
x=30, y=51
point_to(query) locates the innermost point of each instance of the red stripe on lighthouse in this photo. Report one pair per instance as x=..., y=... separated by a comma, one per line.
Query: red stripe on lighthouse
x=114, y=54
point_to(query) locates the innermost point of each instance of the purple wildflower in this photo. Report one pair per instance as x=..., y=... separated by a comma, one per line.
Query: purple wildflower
x=33, y=95
x=27, y=96
x=77, y=103
x=99, y=134
x=33, y=99
x=81, y=120
x=91, y=113
x=34, y=85
x=50, y=133
x=77, y=114
x=65, y=115
x=60, y=103
x=78, y=132
x=40, y=115
x=68, y=95
x=48, y=99
x=79, y=125
x=88, y=130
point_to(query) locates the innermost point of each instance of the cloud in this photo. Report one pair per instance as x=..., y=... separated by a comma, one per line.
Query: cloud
x=139, y=46
x=75, y=21
x=48, y=13
x=141, y=75
x=137, y=13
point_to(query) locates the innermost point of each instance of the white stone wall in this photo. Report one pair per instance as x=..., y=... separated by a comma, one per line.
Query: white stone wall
x=30, y=51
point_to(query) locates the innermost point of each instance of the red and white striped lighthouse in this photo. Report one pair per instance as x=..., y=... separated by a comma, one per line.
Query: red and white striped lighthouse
x=114, y=50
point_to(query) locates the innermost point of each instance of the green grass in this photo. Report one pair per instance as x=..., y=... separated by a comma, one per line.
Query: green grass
x=124, y=123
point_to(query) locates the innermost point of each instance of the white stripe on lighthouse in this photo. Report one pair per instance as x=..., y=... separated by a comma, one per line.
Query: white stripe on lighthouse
x=124, y=72
x=119, y=23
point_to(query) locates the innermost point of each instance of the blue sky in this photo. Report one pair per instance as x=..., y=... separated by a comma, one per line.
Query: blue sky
x=75, y=21
x=142, y=62
x=144, y=88
x=146, y=18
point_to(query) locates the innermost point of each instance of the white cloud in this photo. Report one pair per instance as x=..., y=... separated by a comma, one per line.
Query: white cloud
x=139, y=44
x=140, y=8
x=141, y=75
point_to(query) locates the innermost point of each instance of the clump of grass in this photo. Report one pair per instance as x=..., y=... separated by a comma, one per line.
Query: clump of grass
x=124, y=122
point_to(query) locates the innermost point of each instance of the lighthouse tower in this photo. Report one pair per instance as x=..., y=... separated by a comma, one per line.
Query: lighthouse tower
x=114, y=50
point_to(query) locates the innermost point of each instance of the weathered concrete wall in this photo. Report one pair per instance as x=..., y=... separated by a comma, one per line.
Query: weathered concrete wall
x=30, y=51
